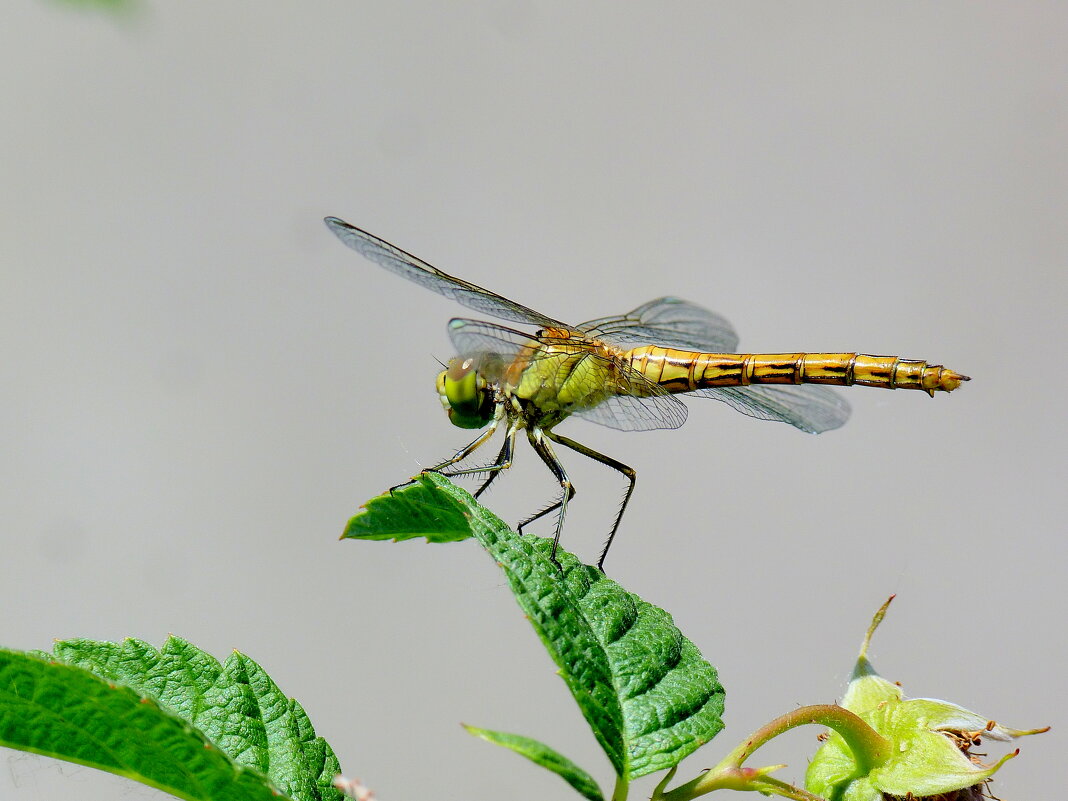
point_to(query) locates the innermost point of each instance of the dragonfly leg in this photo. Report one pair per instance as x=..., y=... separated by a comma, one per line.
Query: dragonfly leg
x=609, y=462
x=547, y=510
x=539, y=515
x=461, y=454
x=504, y=461
x=545, y=451
x=465, y=451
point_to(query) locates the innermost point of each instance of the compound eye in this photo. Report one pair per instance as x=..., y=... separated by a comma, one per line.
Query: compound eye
x=459, y=368
x=464, y=394
x=461, y=383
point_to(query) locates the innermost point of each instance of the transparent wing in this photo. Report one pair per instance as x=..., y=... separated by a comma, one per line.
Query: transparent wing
x=810, y=407
x=631, y=413
x=477, y=337
x=640, y=405
x=414, y=269
x=670, y=322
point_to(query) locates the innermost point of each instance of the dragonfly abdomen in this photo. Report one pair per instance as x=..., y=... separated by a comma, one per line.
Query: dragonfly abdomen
x=686, y=371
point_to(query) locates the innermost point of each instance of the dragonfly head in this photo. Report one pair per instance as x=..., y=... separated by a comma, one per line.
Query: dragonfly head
x=464, y=393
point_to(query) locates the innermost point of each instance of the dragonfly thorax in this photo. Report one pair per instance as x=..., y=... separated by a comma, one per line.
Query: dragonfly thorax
x=466, y=396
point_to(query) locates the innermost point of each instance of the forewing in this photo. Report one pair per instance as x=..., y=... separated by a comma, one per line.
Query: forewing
x=668, y=321
x=414, y=269
x=477, y=337
x=810, y=407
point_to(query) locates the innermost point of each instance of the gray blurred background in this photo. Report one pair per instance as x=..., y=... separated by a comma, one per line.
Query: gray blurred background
x=200, y=384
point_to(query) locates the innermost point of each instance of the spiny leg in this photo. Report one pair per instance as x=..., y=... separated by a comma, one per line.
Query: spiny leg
x=496, y=467
x=467, y=450
x=627, y=471
x=539, y=515
x=460, y=455
x=504, y=461
x=502, y=458
x=545, y=451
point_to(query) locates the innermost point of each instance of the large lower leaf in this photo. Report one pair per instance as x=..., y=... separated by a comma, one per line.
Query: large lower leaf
x=235, y=704
x=68, y=713
x=647, y=693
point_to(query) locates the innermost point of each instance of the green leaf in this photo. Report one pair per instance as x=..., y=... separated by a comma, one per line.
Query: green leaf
x=234, y=704
x=645, y=690
x=66, y=712
x=424, y=508
x=541, y=754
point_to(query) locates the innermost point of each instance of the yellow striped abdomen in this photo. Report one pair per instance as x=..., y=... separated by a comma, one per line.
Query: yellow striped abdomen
x=686, y=371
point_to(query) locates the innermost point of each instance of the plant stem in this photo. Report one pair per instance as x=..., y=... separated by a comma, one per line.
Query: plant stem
x=619, y=793
x=868, y=746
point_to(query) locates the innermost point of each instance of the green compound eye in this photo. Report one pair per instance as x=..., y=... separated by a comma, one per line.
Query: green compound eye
x=464, y=395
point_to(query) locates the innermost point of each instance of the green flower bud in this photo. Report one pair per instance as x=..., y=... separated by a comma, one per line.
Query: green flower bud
x=930, y=742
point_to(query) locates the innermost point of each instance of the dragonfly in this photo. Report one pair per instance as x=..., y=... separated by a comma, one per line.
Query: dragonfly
x=623, y=372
